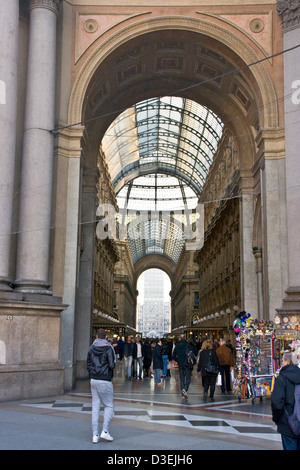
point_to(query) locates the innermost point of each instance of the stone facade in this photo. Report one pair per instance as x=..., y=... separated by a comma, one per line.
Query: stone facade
x=67, y=70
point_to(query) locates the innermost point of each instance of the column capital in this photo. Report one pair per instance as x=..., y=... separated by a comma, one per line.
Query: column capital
x=290, y=12
x=52, y=5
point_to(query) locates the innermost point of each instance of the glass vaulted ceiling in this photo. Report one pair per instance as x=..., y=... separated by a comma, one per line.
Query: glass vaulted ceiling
x=159, y=153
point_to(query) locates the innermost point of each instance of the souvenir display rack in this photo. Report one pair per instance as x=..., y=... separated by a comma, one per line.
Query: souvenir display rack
x=287, y=334
x=254, y=357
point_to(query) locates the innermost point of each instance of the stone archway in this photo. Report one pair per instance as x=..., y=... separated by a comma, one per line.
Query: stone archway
x=94, y=103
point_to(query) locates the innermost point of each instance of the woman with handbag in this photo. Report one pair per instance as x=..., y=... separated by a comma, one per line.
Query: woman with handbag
x=208, y=365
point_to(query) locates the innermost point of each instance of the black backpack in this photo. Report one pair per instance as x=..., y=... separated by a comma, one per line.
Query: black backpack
x=190, y=359
x=294, y=418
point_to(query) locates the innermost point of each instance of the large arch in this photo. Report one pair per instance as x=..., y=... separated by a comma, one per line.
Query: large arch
x=243, y=97
x=213, y=28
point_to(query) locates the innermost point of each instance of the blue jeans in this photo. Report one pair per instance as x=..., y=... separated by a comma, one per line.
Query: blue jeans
x=290, y=443
x=185, y=377
x=128, y=365
x=102, y=392
x=138, y=364
x=157, y=376
x=165, y=364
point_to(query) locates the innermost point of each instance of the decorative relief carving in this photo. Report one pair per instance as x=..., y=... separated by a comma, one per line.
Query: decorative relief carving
x=169, y=63
x=290, y=12
x=90, y=26
x=257, y=25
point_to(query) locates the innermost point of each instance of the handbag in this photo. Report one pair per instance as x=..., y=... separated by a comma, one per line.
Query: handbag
x=210, y=367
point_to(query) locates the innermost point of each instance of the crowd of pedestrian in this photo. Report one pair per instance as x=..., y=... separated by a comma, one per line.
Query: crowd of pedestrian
x=147, y=358
x=152, y=358
x=155, y=358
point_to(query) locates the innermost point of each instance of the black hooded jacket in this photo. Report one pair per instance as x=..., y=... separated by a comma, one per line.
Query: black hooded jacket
x=101, y=360
x=282, y=398
x=180, y=352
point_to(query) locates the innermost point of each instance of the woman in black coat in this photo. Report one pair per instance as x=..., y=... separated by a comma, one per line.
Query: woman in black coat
x=208, y=355
x=157, y=362
x=147, y=356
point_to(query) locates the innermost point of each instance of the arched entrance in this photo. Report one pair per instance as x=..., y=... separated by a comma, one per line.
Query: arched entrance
x=153, y=306
x=202, y=59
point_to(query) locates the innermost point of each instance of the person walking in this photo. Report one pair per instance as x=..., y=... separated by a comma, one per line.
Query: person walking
x=226, y=362
x=169, y=347
x=100, y=365
x=137, y=355
x=164, y=352
x=180, y=353
x=283, y=401
x=128, y=351
x=208, y=365
x=120, y=344
x=147, y=355
x=157, y=362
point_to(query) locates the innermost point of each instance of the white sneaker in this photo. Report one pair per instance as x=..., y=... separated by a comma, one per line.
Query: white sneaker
x=96, y=438
x=105, y=435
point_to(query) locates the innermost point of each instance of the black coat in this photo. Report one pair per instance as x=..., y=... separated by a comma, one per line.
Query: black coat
x=203, y=360
x=101, y=361
x=282, y=398
x=134, y=349
x=157, y=357
x=128, y=349
x=147, y=351
x=180, y=352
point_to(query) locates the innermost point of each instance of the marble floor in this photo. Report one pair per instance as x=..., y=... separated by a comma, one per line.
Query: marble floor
x=140, y=406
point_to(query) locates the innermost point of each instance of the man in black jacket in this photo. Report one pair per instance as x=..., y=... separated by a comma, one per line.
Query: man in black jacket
x=282, y=401
x=100, y=364
x=180, y=354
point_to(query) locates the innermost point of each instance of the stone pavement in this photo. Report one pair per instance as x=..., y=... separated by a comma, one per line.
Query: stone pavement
x=147, y=417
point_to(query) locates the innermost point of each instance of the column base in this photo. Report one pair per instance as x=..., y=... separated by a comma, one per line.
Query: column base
x=5, y=285
x=32, y=287
x=30, y=346
x=291, y=303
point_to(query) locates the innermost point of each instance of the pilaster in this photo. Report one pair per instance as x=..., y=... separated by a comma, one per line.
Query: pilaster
x=290, y=13
x=84, y=298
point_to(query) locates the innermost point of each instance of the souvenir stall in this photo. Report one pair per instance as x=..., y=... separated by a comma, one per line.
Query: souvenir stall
x=287, y=334
x=254, y=357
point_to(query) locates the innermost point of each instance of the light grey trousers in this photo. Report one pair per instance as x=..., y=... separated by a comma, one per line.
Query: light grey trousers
x=102, y=393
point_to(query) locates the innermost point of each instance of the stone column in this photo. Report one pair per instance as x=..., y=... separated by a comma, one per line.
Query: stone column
x=248, y=275
x=85, y=292
x=37, y=158
x=290, y=12
x=9, y=23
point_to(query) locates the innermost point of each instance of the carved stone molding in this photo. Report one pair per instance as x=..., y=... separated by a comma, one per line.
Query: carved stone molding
x=52, y=5
x=290, y=12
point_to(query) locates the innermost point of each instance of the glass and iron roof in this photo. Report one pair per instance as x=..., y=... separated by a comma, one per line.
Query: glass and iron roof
x=159, y=153
x=157, y=192
x=170, y=135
